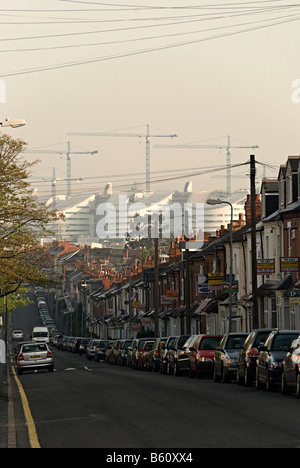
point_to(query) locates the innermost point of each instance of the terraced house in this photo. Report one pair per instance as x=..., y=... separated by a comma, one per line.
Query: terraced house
x=120, y=301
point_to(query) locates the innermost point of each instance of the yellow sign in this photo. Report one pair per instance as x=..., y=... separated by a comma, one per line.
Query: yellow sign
x=294, y=301
x=215, y=279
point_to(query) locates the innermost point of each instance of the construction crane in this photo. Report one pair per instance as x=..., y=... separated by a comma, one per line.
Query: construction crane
x=54, y=181
x=146, y=135
x=228, y=148
x=68, y=153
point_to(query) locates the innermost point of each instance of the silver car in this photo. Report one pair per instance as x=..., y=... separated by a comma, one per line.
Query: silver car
x=17, y=335
x=34, y=356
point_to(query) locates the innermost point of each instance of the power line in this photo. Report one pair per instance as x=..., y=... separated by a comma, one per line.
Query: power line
x=145, y=51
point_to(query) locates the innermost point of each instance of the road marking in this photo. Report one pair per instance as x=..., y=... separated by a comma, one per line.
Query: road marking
x=33, y=438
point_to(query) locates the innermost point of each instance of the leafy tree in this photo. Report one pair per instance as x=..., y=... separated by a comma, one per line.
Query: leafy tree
x=23, y=220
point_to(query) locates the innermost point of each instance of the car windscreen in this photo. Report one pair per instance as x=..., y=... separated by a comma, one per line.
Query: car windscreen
x=148, y=346
x=209, y=343
x=283, y=342
x=40, y=334
x=235, y=342
x=33, y=348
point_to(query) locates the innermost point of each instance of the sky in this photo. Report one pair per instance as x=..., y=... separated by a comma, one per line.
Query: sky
x=201, y=70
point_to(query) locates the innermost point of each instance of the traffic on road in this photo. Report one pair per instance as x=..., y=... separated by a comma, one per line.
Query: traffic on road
x=93, y=392
x=266, y=358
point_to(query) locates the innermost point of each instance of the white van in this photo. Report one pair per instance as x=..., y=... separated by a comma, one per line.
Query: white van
x=40, y=335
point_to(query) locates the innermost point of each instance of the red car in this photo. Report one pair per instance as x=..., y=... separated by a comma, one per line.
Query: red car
x=202, y=352
x=143, y=354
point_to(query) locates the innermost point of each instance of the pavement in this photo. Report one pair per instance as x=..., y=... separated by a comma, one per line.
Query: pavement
x=7, y=418
x=4, y=413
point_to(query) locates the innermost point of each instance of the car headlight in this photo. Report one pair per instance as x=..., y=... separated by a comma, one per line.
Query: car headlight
x=276, y=365
x=229, y=361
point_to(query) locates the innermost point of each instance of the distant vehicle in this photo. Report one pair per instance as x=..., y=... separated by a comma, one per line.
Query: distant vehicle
x=272, y=353
x=100, y=350
x=17, y=335
x=91, y=349
x=163, y=363
x=202, y=354
x=226, y=356
x=153, y=358
x=34, y=356
x=143, y=354
x=247, y=359
x=290, y=378
x=173, y=353
x=40, y=335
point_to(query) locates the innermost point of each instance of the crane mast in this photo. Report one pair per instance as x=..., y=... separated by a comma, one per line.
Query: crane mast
x=228, y=148
x=147, y=137
x=68, y=153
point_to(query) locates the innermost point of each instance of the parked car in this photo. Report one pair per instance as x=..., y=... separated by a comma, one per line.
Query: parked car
x=226, y=355
x=246, y=364
x=122, y=352
x=91, y=349
x=202, y=354
x=272, y=353
x=173, y=353
x=143, y=354
x=17, y=335
x=100, y=350
x=153, y=361
x=164, y=354
x=137, y=349
x=114, y=351
x=182, y=364
x=108, y=351
x=34, y=356
x=131, y=352
x=79, y=345
x=19, y=346
x=290, y=377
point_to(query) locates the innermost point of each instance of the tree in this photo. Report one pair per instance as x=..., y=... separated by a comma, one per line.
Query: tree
x=23, y=220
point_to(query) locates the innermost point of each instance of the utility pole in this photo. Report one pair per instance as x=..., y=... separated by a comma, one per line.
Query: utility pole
x=187, y=291
x=156, y=289
x=255, y=316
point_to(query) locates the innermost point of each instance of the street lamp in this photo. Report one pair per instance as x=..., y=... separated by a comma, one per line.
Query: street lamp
x=214, y=202
x=13, y=123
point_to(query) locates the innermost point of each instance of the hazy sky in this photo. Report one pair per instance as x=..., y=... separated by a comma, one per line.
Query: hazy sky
x=200, y=69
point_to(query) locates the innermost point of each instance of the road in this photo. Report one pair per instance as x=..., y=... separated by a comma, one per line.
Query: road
x=84, y=404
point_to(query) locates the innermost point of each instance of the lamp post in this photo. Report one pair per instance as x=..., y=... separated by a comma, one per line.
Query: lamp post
x=13, y=123
x=221, y=202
